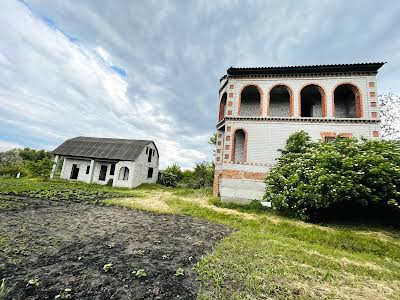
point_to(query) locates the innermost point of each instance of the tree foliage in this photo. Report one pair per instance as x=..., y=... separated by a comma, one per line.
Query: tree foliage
x=201, y=176
x=171, y=175
x=313, y=178
x=27, y=162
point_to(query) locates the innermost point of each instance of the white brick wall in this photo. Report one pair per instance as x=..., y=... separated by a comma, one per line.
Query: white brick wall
x=265, y=136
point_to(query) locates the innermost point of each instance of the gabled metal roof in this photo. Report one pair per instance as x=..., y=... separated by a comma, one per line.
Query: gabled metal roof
x=102, y=148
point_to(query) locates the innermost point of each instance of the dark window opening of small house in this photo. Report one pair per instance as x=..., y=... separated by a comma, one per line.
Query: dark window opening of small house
x=150, y=154
x=74, y=172
x=103, y=173
x=150, y=173
x=112, y=169
x=87, y=169
x=123, y=173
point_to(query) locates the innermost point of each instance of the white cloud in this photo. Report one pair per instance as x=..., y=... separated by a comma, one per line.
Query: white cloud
x=5, y=145
x=68, y=90
x=150, y=69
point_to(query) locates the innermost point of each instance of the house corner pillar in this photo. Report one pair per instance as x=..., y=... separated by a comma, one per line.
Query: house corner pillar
x=55, y=166
x=91, y=172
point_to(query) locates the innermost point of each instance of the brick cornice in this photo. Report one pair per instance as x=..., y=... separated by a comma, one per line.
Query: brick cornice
x=305, y=75
x=298, y=119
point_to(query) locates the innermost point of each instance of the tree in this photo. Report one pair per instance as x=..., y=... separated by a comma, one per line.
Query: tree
x=213, y=142
x=389, y=109
x=40, y=168
x=171, y=175
x=345, y=176
x=203, y=175
x=30, y=154
x=213, y=139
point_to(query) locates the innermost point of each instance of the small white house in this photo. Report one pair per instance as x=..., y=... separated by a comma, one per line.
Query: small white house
x=128, y=163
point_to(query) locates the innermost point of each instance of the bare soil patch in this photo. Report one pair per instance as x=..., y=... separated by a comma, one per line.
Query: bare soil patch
x=65, y=244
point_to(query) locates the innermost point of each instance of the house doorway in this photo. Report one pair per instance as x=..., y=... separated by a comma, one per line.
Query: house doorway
x=103, y=173
x=74, y=172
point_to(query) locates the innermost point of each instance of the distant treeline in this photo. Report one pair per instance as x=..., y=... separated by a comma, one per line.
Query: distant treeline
x=26, y=162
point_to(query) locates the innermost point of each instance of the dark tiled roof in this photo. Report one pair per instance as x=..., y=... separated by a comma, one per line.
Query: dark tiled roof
x=338, y=68
x=102, y=148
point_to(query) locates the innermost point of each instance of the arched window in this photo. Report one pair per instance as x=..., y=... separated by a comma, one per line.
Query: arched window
x=222, y=106
x=312, y=101
x=347, y=102
x=123, y=173
x=239, y=146
x=250, y=101
x=279, y=101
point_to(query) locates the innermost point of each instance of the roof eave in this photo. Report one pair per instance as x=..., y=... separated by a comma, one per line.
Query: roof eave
x=340, y=68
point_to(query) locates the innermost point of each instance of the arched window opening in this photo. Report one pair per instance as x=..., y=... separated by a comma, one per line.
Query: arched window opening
x=123, y=173
x=239, y=146
x=279, y=101
x=222, y=106
x=347, y=102
x=312, y=99
x=250, y=101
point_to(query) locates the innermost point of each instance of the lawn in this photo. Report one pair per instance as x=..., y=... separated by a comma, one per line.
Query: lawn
x=267, y=256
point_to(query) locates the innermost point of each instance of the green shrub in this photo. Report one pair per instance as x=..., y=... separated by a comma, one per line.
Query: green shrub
x=40, y=168
x=12, y=169
x=27, y=162
x=312, y=179
x=171, y=175
x=200, y=177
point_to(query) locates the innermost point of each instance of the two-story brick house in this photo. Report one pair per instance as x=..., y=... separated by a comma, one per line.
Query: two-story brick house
x=259, y=108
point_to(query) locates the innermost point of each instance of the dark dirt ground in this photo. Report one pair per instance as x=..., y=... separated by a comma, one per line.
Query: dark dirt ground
x=66, y=244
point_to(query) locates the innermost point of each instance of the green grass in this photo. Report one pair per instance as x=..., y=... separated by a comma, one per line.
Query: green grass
x=269, y=256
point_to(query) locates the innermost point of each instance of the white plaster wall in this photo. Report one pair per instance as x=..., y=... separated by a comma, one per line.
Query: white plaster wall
x=117, y=182
x=96, y=174
x=137, y=170
x=67, y=168
x=142, y=166
x=83, y=164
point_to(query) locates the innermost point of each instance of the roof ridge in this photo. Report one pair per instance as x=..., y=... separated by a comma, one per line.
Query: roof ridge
x=311, y=66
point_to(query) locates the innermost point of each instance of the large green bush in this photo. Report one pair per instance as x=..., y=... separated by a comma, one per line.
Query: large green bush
x=171, y=175
x=313, y=179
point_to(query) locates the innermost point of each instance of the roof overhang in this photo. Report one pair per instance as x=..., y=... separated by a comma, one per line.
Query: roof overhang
x=315, y=69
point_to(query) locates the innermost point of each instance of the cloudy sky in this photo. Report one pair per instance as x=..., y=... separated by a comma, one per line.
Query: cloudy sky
x=151, y=69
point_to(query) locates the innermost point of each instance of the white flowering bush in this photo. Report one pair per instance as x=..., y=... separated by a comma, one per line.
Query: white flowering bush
x=312, y=179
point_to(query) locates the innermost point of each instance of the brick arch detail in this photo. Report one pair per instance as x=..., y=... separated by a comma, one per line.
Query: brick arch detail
x=357, y=94
x=260, y=91
x=221, y=111
x=291, y=99
x=322, y=91
x=244, y=147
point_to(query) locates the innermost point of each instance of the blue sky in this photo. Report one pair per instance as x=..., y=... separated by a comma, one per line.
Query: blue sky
x=151, y=69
